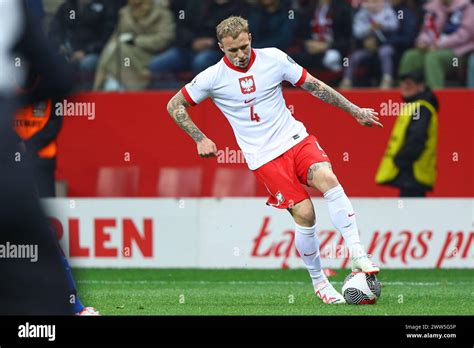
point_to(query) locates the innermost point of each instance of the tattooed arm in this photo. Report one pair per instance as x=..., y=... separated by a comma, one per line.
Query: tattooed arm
x=177, y=109
x=366, y=117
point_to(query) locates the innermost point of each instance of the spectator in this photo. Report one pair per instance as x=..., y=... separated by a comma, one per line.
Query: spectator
x=447, y=32
x=80, y=28
x=374, y=22
x=271, y=25
x=144, y=29
x=409, y=162
x=405, y=36
x=326, y=30
x=195, y=47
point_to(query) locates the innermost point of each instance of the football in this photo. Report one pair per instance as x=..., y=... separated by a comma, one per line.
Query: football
x=361, y=288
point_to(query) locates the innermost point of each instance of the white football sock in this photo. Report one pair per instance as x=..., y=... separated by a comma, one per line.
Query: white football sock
x=343, y=218
x=307, y=244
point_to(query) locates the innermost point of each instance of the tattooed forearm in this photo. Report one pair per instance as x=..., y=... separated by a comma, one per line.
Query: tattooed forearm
x=327, y=94
x=177, y=109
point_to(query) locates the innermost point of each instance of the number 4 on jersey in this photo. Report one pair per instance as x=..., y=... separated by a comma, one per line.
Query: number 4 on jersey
x=254, y=116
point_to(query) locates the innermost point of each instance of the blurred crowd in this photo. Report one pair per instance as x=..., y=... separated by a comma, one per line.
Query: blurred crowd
x=154, y=44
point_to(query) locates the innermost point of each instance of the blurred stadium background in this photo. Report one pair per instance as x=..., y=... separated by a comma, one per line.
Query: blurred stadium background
x=133, y=196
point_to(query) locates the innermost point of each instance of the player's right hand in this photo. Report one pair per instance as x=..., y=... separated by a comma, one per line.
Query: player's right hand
x=206, y=148
x=367, y=117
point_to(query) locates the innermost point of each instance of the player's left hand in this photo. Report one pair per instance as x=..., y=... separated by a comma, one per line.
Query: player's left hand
x=367, y=117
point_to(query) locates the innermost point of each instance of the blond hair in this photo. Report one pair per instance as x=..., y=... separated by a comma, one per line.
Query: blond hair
x=232, y=26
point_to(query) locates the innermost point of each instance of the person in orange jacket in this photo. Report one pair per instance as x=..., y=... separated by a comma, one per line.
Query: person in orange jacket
x=38, y=127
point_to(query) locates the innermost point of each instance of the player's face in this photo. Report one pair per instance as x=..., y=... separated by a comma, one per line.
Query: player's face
x=237, y=50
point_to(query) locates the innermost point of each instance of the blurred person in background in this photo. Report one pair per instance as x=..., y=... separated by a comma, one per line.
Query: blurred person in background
x=81, y=28
x=37, y=125
x=144, y=29
x=195, y=47
x=272, y=25
x=28, y=287
x=373, y=23
x=409, y=162
x=447, y=33
x=326, y=29
x=404, y=37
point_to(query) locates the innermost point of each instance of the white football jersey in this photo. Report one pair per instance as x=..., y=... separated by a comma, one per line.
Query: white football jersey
x=252, y=101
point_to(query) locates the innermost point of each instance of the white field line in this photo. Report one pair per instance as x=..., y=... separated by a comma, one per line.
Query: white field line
x=239, y=282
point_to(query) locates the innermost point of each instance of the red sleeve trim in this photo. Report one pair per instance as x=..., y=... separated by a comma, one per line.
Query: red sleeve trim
x=187, y=96
x=302, y=78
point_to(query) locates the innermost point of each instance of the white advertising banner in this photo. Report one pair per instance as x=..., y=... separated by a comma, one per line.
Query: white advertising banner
x=245, y=233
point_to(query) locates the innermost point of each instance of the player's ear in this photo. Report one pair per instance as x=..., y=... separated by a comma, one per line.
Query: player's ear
x=221, y=47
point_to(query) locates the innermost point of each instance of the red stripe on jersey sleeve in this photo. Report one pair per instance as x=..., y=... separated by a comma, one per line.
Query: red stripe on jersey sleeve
x=187, y=96
x=302, y=78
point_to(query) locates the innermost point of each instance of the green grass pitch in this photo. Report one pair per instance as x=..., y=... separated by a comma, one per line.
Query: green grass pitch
x=267, y=292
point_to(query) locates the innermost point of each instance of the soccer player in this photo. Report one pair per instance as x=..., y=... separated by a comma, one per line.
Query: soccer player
x=246, y=86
